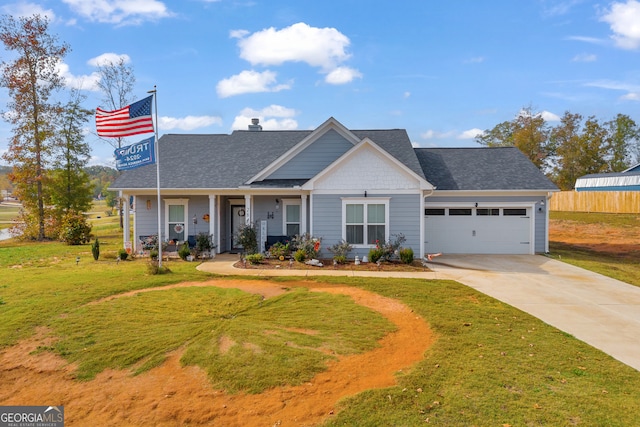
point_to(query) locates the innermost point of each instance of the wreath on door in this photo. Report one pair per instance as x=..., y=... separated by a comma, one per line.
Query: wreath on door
x=241, y=212
x=178, y=228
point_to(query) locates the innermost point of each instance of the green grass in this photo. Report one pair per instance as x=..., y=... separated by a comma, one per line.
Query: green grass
x=624, y=267
x=491, y=364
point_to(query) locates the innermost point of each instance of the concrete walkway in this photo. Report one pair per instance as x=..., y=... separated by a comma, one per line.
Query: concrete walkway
x=600, y=311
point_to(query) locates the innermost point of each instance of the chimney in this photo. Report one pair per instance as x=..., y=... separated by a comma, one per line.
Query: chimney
x=254, y=126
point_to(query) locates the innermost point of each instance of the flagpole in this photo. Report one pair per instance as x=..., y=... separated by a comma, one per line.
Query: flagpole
x=157, y=150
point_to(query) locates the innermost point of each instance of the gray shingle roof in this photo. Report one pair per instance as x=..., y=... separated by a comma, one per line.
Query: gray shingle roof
x=229, y=161
x=495, y=168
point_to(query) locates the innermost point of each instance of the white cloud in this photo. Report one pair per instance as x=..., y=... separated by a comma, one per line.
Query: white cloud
x=590, y=40
x=631, y=96
x=318, y=47
x=342, y=75
x=585, y=57
x=84, y=82
x=432, y=134
x=273, y=117
x=324, y=48
x=109, y=58
x=624, y=20
x=475, y=60
x=407, y=94
x=249, y=82
x=25, y=9
x=188, y=122
x=470, y=134
x=549, y=116
x=122, y=12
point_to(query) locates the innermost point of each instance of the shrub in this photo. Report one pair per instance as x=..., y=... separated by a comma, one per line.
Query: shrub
x=390, y=248
x=406, y=255
x=123, y=254
x=300, y=255
x=153, y=254
x=280, y=249
x=95, y=249
x=184, y=251
x=340, y=259
x=247, y=237
x=375, y=254
x=309, y=244
x=204, y=243
x=74, y=229
x=340, y=251
x=154, y=268
x=255, y=258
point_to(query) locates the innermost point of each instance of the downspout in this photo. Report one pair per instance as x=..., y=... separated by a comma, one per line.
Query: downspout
x=546, y=213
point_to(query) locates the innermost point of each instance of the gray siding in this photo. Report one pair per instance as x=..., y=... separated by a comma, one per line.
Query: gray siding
x=404, y=217
x=540, y=223
x=314, y=158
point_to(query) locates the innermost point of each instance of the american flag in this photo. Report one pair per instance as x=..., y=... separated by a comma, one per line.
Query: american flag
x=133, y=119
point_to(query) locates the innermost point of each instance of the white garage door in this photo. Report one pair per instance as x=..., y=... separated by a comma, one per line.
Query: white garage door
x=490, y=230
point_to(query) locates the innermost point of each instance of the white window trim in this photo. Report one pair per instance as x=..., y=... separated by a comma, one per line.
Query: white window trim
x=290, y=202
x=176, y=202
x=365, y=201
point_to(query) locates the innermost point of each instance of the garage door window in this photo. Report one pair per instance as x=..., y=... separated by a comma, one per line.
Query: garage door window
x=515, y=212
x=460, y=212
x=488, y=212
x=434, y=211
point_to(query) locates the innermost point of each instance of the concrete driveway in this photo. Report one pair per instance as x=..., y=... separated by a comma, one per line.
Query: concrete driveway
x=600, y=311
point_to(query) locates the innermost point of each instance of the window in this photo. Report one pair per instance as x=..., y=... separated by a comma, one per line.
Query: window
x=291, y=218
x=434, y=211
x=176, y=224
x=515, y=212
x=365, y=222
x=460, y=212
x=487, y=212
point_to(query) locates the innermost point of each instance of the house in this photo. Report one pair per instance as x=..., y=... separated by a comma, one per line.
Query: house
x=627, y=180
x=336, y=183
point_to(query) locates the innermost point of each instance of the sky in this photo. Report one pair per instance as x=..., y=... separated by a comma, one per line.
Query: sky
x=444, y=70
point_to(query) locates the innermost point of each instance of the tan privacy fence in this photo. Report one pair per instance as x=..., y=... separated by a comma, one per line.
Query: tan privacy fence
x=596, y=201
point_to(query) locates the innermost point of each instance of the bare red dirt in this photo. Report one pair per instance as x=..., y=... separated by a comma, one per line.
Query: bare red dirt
x=621, y=241
x=171, y=395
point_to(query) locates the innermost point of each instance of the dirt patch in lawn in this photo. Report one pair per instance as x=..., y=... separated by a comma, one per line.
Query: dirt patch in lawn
x=172, y=395
x=605, y=238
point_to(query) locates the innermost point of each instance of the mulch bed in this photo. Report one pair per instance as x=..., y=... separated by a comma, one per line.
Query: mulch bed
x=328, y=264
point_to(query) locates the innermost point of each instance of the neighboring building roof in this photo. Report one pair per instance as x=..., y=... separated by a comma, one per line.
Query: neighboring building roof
x=483, y=168
x=629, y=180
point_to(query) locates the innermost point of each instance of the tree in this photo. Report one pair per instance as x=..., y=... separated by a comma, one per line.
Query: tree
x=623, y=140
x=31, y=79
x=580, y=149
x=71, y=187
x=528, y=131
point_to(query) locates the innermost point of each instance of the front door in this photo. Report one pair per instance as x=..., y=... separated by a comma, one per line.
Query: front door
x=237, y=220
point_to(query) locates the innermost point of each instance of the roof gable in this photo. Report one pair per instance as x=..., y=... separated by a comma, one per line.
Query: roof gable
x=367, y=167
x=329, y=125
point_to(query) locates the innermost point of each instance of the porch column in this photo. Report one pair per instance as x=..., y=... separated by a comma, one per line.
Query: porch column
x=248, y=212
x=213, y=221
x=126, y=224
x=303, y=214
